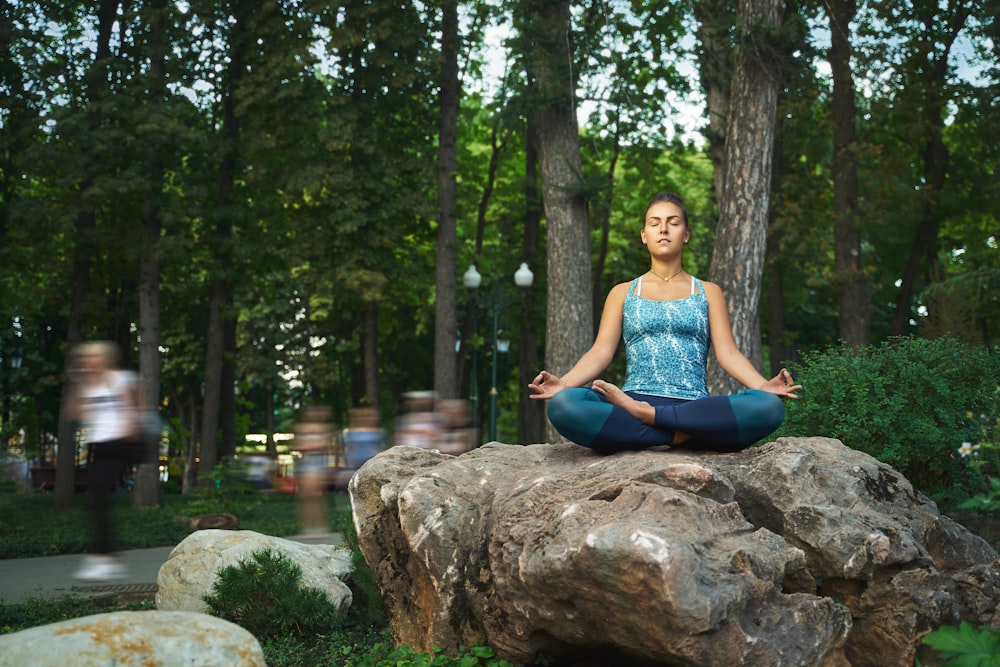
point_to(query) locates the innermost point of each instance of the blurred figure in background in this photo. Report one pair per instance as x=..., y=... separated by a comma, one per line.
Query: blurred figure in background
x=107, y=403
x=459, y=434
x=313, y=437
x=419, y=425
x=364, y=438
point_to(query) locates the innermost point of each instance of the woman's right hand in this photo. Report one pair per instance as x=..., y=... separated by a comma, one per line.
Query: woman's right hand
x=546, y=385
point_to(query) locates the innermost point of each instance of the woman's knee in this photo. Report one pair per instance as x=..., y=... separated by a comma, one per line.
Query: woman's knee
x=762, y=411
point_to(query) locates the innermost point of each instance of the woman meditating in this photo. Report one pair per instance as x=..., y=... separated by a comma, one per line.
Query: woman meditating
x=667, y=319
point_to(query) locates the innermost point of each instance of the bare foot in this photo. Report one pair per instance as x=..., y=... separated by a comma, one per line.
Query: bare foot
x=641, y=410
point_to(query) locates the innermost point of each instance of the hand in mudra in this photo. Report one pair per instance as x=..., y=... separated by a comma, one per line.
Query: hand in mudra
x=546, y=385
x=782, y=385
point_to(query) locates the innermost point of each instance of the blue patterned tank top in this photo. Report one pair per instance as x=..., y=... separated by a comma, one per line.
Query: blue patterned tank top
x=666, y=343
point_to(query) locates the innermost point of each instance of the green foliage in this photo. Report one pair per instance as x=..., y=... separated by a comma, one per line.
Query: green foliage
x=222, y=492
x=265, y=595
x=32, y=526
x=33, y=612
x=367, y=608
x=906, y=402
x=983, y=454
x=966, y=646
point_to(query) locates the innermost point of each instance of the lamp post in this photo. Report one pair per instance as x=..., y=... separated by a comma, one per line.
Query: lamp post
x=523, y=278
x=471, y=280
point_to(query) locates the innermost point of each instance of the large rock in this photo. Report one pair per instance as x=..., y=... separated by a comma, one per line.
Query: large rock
x=799, y=552
x=154, y=638
x=194, y=564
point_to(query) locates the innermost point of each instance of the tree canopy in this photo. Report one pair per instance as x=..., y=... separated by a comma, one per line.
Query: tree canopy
x=274, y=172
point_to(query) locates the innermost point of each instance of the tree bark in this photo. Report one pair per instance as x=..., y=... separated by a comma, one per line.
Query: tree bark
x=853, y=302
x=740, y=239
x=445, y=327
x=146, y=492
x=569, y=319
x=86, y=224
x=531, y=413
x=715, y=22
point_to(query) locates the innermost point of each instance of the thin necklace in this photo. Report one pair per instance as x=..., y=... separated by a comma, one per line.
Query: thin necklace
x=666, y=280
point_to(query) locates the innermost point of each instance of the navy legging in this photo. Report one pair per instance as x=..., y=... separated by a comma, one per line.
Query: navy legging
x=717, y=423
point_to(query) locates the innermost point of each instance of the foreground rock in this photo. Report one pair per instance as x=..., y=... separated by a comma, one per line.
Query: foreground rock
x=194, y=564
x=799, y=552
x=155, y=638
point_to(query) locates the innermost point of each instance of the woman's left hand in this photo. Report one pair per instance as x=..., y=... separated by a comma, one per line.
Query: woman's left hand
x=782, y=385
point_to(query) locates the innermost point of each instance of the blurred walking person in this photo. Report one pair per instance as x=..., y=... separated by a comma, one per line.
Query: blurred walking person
x=106, y=402
x=313, y=437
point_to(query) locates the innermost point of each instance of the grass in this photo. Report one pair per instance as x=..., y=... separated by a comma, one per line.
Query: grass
x=32, y=526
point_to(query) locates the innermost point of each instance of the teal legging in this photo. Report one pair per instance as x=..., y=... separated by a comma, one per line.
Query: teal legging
x=718, y=423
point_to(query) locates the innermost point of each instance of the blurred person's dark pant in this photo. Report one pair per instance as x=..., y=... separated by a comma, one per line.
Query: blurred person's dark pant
x=108, y=460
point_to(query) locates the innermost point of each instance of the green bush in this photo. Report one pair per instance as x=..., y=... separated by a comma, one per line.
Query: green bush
x=265, y=595
x=908, y=402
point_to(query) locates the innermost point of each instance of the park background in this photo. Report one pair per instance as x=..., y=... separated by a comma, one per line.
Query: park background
x=273, y=205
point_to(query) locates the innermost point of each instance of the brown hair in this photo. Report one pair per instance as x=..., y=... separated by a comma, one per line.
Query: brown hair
x=670, y=198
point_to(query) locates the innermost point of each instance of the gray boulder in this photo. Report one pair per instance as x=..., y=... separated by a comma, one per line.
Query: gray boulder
x=799, y=552
x=154, y=638
x=193, y=566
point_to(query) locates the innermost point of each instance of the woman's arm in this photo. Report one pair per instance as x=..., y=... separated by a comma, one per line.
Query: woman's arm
x=729, y=356
x=597, y=358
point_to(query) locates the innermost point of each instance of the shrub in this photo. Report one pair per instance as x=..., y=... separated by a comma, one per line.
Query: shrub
x=367, y=608
x=265, y=595
x=906, y=402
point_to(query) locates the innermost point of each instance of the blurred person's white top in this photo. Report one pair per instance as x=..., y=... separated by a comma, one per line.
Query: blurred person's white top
x=108, y=407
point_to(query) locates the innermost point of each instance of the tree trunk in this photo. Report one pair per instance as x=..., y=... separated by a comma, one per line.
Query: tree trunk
x=853, y=302
x=569, y=319
x=227, y=384
x=740, y=239
x=86, y=223
x=445, y=328
x=369, y=347
x=715, y=23
x=189, y=477
x=935, y=159
x=209, y=449
x=531, y=413
x=65, y=484
x=146, y=492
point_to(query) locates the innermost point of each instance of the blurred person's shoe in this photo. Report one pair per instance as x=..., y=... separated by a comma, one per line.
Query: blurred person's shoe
x=101, y=568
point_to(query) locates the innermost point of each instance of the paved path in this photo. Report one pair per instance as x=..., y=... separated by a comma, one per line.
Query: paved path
x=52, y=576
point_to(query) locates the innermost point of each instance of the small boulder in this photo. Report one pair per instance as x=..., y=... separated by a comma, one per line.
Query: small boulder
x=193, y=566
x=161, y=638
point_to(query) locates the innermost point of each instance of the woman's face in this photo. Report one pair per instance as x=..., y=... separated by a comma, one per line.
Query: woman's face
x=665, y=227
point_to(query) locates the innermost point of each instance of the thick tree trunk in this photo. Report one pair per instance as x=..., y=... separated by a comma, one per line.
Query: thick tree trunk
x=853, y=302
x=740, y=239
x=531, y=414
x=445, y=328
x=569, y=320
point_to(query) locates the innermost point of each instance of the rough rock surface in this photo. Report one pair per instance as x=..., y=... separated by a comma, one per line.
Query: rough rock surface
x=798, y=552
x=155, y=638
x=193, y=565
